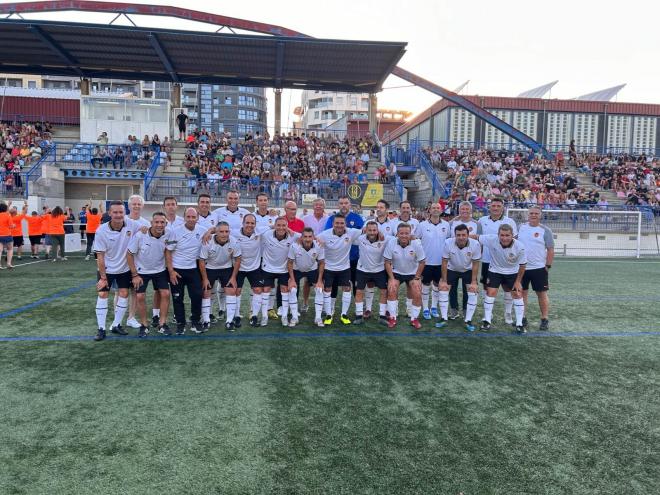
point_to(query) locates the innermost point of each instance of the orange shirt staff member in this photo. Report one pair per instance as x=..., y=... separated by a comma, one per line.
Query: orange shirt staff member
x=6, y=240
x=35, y=230
x=55, y=229
x=17, y=229
x=93, y=221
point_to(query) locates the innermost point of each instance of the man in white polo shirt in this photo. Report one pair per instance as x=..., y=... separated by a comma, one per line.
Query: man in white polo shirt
x=262, y=214
x=231, y=213
x=316, y=221
x=220, y=260
x=250, y=242
x=183, y=248
x=146, y=260
x=404, y=263
x=337, y=243
x=464, y=217
x=135, y=205
x=460, y=261
x=432, y=233
x=489, y=225
x=204, y=216
x=370, y=270
x=306, y=260
x=507, y=268
x=540, y=249
x=110, y=245
x=275, y=245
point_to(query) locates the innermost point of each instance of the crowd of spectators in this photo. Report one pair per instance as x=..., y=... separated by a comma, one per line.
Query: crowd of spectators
x=524, y=179
x=21, y=145
x=284, y=166
x=133, y=154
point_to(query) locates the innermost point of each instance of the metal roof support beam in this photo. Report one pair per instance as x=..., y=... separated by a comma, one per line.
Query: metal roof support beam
x=279, y=64
x=57, y=49
x=165, y=60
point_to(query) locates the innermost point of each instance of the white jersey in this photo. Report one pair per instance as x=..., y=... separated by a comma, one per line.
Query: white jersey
x=306, y=260
x=114, y=244
x=460, y=259
x=371, y=254
x=338, y=248
x=471, y=225
x=433, y=238
x=387, y=228
x=185, y=246
x=537, y=240
x=141, y=221
x=233, y=218
x=405, y=260
x=488, y=226
x=219, y=256
x=178, y=222
x=275, y=252
x=504, y=260
x=148, y=252
x=250, y=251
x=413, y=222
x=264, y=221
x=207, y=222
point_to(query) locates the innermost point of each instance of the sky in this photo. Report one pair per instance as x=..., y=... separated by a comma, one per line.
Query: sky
x=502, y=47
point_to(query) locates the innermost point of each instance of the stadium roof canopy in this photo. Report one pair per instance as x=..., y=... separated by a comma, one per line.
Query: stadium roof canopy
x=129, y=52
x=602, y=95
x=538, y=92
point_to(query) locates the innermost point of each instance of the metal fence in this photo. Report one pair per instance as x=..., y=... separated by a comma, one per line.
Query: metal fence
x=187, y=189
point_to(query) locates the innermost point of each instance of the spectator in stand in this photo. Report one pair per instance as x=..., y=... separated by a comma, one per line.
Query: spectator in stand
x=55, y=226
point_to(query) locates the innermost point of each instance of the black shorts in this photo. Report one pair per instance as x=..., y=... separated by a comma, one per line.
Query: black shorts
x=221, y=274
x=538, y=277
x=453, y=278
x=160, y=281
x=269, y=278
x=404, y=279
x=431, y=273
x=18, y=241
x=312, y=276
x=116, y=280
x=35, y=239
x=484, y=273
x=255, y=277
x=363, y=278
x=341, y=278
x=496, y=279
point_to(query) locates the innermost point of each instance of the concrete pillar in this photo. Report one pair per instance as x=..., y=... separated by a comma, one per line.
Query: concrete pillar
x=373, y=108
x=175, y=95
x=278, y=111
x=85, y=86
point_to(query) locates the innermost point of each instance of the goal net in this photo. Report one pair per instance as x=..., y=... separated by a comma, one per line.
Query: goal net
x=598, y=233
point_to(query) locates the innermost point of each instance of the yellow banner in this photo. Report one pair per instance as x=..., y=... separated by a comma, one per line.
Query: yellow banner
x=372, y=193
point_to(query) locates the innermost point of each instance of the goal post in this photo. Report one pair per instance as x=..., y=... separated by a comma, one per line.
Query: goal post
x=598, y=233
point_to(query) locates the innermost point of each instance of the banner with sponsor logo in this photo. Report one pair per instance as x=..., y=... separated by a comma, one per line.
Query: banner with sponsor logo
x=366, y=195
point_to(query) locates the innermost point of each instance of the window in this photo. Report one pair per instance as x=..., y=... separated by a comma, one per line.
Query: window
x=32, y=84
x=227, y=100
x=316, y=115
x=248, y=115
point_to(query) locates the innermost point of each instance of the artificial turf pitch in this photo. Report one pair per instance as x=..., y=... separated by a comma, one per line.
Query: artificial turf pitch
x=334, y=410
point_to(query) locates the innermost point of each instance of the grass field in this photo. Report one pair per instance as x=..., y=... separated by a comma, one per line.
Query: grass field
x=335, y=410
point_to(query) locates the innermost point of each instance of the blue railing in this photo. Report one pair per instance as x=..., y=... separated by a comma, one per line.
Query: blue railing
x=94, y=156
x=187, y=189
x=151, y=172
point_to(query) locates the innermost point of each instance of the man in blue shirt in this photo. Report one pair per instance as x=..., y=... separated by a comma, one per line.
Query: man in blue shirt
x=353, y=221
x=82, y=218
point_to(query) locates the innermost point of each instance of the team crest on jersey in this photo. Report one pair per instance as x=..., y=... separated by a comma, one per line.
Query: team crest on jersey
x=443, y=229
x=536, y=234
x=314, y=255
x=511, y=257
x=128, y=233
x=347, y=240
x=230, y=251
x=352, y=222
x=197, y=236
x=412, y=253
x=468, y=254
x=470, y=229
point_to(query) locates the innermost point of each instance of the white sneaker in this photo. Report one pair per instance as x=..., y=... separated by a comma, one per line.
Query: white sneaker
x=319, y=322
x=264, y=321
x=285, y=321
x=279, y=311
x=133, y=323
x=293, y=323
x=508, y=318
x=87, y=258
